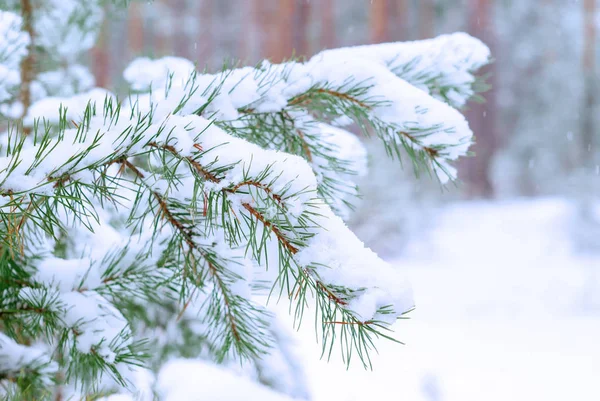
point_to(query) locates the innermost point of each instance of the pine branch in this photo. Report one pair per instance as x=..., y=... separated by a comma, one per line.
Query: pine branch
x=186, y=205
x=242, y=340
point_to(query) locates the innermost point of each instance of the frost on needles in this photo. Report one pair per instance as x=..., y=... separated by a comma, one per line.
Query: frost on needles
x=156, y=226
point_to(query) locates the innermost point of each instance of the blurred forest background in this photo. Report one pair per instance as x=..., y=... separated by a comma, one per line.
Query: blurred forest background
x=537, y=133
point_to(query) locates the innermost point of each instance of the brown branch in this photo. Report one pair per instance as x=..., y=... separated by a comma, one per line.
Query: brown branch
x=305, y=146
x=186, y=305
x=223, y=290
x=162, y=204
x=32, y=205
x=280, y=236
x=282, y=239
x=201, y=170
x=206, y=174
x=129, y=165
x=20, y=283
x=357, y=323
x=14, y=230
x=213, y=178
x=23, y=309
x=324, y=288
x=340, y=95
x=292, y=249
x=59, y=181
x=187, y=237
x=305, y=98
x=166, y=213
x=433, y=153
x=256, y=184
x=246, y=110
x=331, y=295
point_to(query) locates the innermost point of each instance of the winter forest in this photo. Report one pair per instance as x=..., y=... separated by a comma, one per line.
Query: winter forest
x=303, y=200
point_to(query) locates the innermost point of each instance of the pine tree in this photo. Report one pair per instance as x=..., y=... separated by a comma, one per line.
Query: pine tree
x=157, y=226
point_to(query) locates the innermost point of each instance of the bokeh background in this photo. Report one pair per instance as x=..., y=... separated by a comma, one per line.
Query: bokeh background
x=505, y=263
x=536, y=128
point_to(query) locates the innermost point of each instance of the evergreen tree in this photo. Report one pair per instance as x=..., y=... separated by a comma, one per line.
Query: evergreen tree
x=156, y=227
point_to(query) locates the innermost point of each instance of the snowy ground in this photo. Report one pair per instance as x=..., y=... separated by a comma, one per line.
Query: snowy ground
x=505, y=311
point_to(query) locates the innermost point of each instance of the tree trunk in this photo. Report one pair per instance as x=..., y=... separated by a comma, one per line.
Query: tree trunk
x=162, y=40
x=203, y=48
x=588, y=134
x=266, y=16
x=181, y=42
x=588, y=225
x=135, y=30
x=426, y=19
x=326, y=9
x=28, y=62
x=283, y=40
x=258, y=29
x=100, y=60
x=399, y=20
x=482, y=117
x=300, y=42
x=378, y=21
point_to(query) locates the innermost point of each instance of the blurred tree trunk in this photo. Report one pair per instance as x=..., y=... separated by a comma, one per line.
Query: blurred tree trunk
x=283, y=39
x=399, y=20
x=27, y=67
x=588, y=135
x=588, y=224
x=256, y=24
x=135, y=30
x=378, y=21
x=482, y=117
x=181, y=44
x=162, y=40
x=100, y=61
x=204, y=47
x=328, y=37
x=290, y=36
x=426, y=19
x=589, y=55
x=301, y=21
x=266, y=17
x=249, y=46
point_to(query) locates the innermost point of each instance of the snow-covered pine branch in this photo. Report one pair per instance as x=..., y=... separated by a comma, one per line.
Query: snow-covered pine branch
x=161, y=222
x=197, y=182
x=300, y=108
x=445, y=66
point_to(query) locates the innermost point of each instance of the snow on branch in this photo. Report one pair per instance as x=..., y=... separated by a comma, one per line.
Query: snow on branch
x=250, y=195
x=290, y=106
x=16, y=358
x=444, y=66
x=404, y=117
